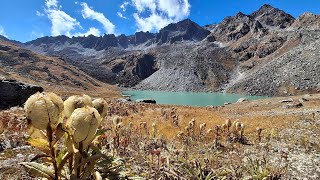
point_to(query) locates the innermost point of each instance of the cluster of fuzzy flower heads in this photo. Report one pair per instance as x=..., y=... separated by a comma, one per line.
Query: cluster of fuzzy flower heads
x=82, y=116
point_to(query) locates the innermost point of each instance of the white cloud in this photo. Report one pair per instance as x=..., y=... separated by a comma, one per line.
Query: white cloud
x=38, y=13
x=52, y=3
x=62, y=23
x=121, y=15
x=88, y=13
x=2, y=32
x=160, y=13
x=91, y=31
x=153, y=22
x=142, y=5
x=124, y=5
x=177, y=9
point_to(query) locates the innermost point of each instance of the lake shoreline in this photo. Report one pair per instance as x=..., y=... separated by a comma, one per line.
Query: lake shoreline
x=121, y=89
x=198, y=99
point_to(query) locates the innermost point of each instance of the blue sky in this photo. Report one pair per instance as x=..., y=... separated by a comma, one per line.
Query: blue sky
x=24, y=20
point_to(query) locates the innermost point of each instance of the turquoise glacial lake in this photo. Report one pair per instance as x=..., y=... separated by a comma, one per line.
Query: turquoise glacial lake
x=188, y=98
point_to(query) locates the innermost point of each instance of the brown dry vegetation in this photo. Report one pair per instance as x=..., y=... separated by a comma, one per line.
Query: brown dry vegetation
x=286, y=141
x=266, y=114
x=52, y=73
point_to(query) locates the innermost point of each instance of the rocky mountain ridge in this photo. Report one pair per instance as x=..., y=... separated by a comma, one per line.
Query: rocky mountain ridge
x=182, y=31
x=229, y=56
x=50, y=73
x=269, y=16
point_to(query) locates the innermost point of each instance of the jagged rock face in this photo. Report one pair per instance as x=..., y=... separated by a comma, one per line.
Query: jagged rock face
x=49, y=40
x=185, y=30
x=307, y=21
x=131, y=68
x=14, y=93
x=106, y=41
x=123, y=41
x=234, y=27
x=257, y=46
x=210, y=27
x=88, y=42
x=141, y=37
x=190, y=67
x=270, y=16
x=294, y=72
x=92, y=42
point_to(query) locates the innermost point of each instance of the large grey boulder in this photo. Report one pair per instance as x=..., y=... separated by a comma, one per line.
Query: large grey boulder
x=15, y=93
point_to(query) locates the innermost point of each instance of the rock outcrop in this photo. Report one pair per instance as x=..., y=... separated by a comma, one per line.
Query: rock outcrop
x=233, y=28
x=295, y=72
x=269, y=16
x=130, y=69
x=185, y=30
x=14, y=93
x=307, y=21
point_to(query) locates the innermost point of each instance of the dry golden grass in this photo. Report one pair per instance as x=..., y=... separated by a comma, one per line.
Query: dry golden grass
x=267, y=114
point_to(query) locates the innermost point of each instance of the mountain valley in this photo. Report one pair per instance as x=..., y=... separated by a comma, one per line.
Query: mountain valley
x=245, y=54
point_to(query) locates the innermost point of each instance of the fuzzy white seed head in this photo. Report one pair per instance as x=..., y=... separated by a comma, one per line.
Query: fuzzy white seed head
x=192, y=123
x=74, y=102
x=116, y=120
x=224, y=126
x=102, y=106
x=203, y=126
x=238, y=126
x=130, y=125
x=234, y=124
x=43, y=109
x=154, y=127
x=120, y=125
x=83, y=124
x=242, y=127
x=228, y=123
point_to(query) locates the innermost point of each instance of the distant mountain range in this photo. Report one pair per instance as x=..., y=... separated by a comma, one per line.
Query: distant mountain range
x=268, y=52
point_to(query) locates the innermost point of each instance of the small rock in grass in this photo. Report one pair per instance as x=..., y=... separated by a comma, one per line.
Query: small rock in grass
x=242, y=100
x=289, y=106
x=286, y=100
